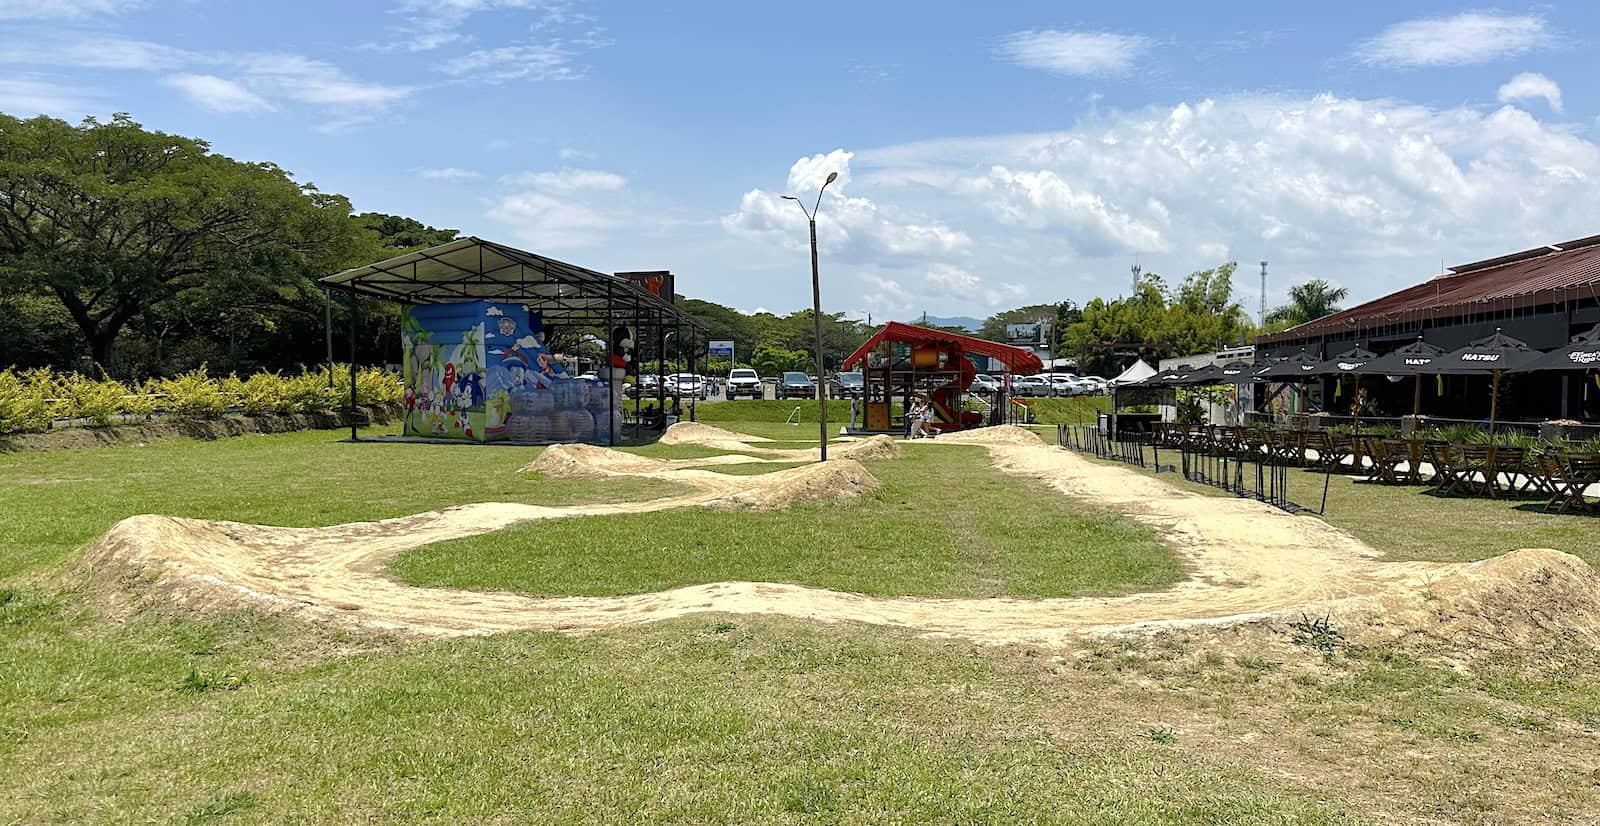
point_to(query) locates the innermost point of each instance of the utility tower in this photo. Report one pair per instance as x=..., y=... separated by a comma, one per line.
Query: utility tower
x=1263, y=315
x=1136, y=270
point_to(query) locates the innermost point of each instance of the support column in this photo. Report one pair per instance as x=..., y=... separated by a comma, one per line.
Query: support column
x=354, y=313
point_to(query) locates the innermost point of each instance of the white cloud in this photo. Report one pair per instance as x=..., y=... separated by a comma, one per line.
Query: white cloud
x=101, y=52
x=1471, y=37
x=568, y=180
x=1532, y=85
x=949, y=281
x=1371, y=193
x=217, y=94
x=1041, y=199
x=431, y=24
x=449, y=173
x=1075, y=53
x=25, y=96
x=546, y=221
x=304, y=79
x=14, y=9
x=223, y=81
x=568, y=153
x=566, y=208
x=528, y=61
x=855, y=228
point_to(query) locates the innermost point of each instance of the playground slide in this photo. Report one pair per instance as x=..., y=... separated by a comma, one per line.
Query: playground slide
x=947, y=402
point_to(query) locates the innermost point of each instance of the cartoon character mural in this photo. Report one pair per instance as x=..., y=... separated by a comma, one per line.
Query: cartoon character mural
x=621, y=360
x=481, y=370
x=443, y=370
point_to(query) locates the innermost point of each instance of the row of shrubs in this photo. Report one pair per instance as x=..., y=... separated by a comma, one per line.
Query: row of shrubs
x=31, y=399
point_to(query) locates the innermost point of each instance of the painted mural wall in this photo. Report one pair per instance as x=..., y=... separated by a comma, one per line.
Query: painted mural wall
x=481, y=371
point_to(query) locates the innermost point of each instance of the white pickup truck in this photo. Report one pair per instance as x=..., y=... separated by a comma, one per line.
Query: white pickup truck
x=743, y=381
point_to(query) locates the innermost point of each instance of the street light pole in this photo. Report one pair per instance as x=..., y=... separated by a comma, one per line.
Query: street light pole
x=816, y=318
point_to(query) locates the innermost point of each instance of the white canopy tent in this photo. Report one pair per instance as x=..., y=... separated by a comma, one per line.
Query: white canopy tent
x=1136, y=372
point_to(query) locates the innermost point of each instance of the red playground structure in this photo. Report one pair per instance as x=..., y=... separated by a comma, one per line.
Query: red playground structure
x=903, y=361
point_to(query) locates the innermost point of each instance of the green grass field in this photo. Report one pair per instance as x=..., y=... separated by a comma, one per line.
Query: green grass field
x=944, y=523
x=243, y=718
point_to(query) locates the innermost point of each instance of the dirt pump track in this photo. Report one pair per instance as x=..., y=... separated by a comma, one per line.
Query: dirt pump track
x=1246, y=561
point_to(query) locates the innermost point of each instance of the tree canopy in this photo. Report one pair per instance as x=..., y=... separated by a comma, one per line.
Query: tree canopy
x=1307, y=302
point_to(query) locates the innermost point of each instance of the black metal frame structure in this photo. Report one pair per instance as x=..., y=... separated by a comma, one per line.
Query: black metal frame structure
x=569, y=298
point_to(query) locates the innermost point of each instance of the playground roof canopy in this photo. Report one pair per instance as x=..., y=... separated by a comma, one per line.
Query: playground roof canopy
x=472, y=269
x=1016, y=359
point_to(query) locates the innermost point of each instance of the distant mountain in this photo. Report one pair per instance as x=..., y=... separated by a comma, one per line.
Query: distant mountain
x=965, y=321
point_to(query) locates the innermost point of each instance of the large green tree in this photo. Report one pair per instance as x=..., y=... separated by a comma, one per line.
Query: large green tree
x=115, y=221
x=1156, y=321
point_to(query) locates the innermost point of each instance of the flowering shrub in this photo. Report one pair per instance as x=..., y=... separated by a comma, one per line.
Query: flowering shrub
x=31, y=399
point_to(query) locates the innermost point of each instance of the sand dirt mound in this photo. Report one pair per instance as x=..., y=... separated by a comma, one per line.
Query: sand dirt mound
x=695, y=433
x=1520, y=600
x=577, y=461
x=868, y=449
x=820, y=480
x=1005, y=434
x=1248, y=563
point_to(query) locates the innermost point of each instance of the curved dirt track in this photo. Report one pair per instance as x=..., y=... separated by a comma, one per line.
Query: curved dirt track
x=1245, y=560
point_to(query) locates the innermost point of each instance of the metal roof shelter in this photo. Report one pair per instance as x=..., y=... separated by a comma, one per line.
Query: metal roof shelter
x=565, y=295
x=472, y=269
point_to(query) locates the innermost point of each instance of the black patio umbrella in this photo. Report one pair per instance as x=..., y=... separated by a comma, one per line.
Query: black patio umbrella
x=1350, y=361
x=1414, y=359
x=1582, y=353
x=1299, y=367
x=1493, y=354
x=1241, y=372
x=1167, y=378
x=1207, y=375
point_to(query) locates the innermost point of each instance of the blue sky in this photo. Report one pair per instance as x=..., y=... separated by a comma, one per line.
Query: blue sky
x=990, y=154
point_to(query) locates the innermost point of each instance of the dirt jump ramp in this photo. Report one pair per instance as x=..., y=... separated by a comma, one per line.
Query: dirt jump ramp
x=1247, y=562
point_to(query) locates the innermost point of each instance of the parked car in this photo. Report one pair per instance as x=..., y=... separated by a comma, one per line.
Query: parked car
x=1030, y=386
x=846, y=386
x=742, y=381
x=1098, y=384
x=686, y=384
x=984, y=383
x=795, y=385
x=1067, y=384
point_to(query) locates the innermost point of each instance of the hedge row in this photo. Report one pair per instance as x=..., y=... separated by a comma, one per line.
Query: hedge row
x=31, y=399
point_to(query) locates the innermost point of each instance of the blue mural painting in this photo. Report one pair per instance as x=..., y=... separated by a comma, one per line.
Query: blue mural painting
x=481, y=370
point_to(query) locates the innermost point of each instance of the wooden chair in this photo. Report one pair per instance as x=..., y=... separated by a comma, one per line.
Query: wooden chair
x=1475, y=467
x=1387, y=454
x=1575, y=473
x=1509, y=464
x=1446, y=478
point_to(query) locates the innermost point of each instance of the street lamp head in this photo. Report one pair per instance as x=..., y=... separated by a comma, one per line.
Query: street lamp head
x=790, y=198
x=832, y=176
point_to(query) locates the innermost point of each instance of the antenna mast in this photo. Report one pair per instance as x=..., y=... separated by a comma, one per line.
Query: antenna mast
x=1136, y=270
x=1263, y=294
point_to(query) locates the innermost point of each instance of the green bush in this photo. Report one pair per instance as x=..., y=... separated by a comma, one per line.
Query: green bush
x=27, y=400
x=259, y=394
x=143, y=399
x=194, y=394
x=309, y=392
x=374, y=385
x=98, y=400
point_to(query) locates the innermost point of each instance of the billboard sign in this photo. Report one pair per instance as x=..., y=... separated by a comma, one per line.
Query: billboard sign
x=1024, y=333
x=720, y=348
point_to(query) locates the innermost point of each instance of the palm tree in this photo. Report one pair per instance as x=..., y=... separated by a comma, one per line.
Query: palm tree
x=1308, y=302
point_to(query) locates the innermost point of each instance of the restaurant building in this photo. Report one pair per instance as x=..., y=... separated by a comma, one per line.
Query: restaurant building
x=1542, y=296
